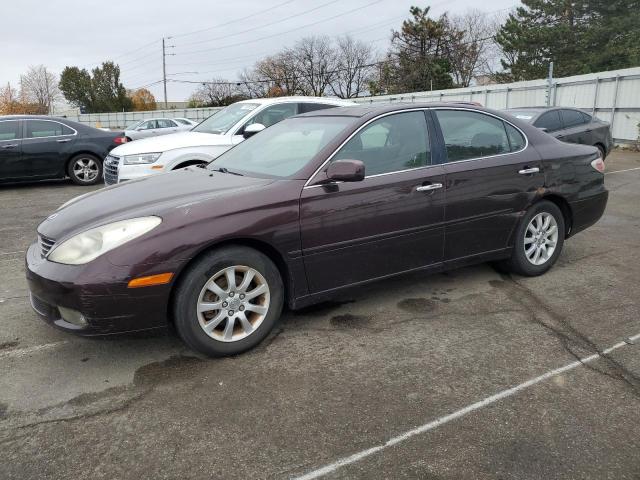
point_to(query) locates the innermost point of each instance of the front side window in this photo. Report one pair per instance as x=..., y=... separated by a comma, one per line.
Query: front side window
x=572, y=118
x=470, y=134
x=284, y=149
x=549, y=121
x=44, y=128
x=9, y=130
x=390, y=144
x=274, y=114
x=221, y=122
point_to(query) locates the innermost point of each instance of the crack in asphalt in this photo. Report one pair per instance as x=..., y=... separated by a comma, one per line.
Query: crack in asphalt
x=571, y=337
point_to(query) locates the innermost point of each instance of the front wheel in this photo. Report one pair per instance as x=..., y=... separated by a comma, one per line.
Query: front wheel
x=539, y=240
x=228, y=302
x=85, y=169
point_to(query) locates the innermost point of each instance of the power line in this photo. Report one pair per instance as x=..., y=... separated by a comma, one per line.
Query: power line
x=282, y=33
x=262, y=26
x=267, y=10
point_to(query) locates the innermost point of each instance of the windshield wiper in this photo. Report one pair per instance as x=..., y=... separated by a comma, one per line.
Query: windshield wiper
x=226, y=170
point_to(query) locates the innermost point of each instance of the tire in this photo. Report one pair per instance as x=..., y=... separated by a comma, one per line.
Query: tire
x=229, y=334
x=522, y=263
x=85, y=169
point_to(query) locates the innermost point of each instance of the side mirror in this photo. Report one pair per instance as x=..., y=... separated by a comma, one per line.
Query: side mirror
x=252, y=129
x=346, y=171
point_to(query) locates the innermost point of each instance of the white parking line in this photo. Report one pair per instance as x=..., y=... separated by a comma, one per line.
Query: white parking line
x=459, y=413
x=621, y=171
x=21, y=352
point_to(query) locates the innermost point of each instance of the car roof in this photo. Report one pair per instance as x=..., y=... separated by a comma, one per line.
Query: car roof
x=361, y=110
x=298, y=98
x=33, y=117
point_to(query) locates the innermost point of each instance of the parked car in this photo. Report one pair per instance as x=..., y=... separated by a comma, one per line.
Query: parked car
x=309, y=207
x=154, y=127
x=569, y=125
x=212, y=137
x=40, y=147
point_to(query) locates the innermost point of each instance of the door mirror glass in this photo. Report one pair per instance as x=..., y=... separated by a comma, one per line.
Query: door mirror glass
x=346, y=171
x=252, y=129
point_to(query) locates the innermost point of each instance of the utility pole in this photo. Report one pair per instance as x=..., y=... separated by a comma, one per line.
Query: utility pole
x=164, y=68
x=549, y=84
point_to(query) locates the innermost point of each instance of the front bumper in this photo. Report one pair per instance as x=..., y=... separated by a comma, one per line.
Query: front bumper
x=98, y=292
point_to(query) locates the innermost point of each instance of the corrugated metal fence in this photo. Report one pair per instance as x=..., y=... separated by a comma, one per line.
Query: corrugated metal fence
x=118, y=120
x=612, y=96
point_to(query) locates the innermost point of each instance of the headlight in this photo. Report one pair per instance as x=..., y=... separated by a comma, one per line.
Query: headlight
x=141, y=158
x=89, y=245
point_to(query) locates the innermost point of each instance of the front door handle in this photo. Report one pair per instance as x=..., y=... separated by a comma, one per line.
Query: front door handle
x=528, y=171
x=427, y=188
x=64, y=140
x=13, y=145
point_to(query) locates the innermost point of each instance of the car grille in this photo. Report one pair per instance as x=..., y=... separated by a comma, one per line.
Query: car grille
x=111, y=169
x=45, y=245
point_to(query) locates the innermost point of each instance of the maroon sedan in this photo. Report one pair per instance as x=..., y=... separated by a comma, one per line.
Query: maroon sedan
x=313, y=205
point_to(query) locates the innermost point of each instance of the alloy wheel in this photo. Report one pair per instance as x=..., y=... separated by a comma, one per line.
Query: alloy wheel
x=86, y=169
x=541, y=238
x=233, y=303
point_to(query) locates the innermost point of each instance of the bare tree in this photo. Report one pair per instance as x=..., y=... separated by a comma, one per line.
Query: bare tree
x=471, y=47
x=39, y=86
x=281, y=70
x=316, y=64
x=354, y=67
x=216, y=93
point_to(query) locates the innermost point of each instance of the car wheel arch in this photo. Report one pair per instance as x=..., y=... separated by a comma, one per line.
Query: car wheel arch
x=188, y=163
x=564, y=207
x=259, y=245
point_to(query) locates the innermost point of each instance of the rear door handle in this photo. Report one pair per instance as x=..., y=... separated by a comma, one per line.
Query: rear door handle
x=13, y=145
x=64, y=140
x=427, y=188
x=528, y=171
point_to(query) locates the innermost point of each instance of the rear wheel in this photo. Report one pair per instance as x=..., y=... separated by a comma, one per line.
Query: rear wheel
x=85, y=169
x=228, y=302
x=539, y=240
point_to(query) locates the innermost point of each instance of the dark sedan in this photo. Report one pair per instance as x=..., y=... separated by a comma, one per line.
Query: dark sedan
x=315, y=204
x=569, y=125
x=41, y=148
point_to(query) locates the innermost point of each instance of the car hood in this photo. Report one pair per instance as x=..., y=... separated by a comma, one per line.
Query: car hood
x=162, y=143
x=160, y=195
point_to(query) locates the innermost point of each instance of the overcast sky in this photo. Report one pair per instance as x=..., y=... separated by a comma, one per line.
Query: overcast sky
x=211, y=38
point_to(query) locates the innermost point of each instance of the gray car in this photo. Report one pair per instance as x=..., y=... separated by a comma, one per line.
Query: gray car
x=568, y=125
x=154, y=127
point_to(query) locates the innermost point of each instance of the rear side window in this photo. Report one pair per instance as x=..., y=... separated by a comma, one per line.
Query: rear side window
x=9, y=130
x=44, y=128
x=390, y=144
x=472, y=134
x=572, y=118
x=549, y=120
x=165, y=123
x=312, y=107
x=516, y=140
x=586, y=117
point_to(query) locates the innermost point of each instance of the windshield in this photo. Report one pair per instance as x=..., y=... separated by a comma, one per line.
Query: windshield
x=282, y=149
x=526, y=115
x=134, y=125
x=221, y=121
x=182, y=121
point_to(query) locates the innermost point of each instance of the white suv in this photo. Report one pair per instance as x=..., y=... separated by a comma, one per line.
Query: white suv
x=209, y=139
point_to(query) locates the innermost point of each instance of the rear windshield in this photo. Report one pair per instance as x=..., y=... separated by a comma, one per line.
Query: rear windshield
x=282, y=149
